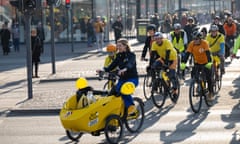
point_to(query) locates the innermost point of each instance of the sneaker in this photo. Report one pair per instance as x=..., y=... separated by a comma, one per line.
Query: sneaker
x=210, y=96
x=131, y=109
x=175, y=96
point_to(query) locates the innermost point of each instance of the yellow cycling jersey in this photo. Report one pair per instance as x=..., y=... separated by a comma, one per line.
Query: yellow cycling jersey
x=109, y=60
x=161, y=50
x=215, y=46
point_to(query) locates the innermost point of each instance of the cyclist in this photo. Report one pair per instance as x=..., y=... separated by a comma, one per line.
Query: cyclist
x=125, y=61
x=230, y=32
x=111, y=50
x=217, y=45
x=217, y=22
x=199, y=48
x=178, y=37
x=151, y=29
x=189, y=28
x=236, y=47
x=164, y=54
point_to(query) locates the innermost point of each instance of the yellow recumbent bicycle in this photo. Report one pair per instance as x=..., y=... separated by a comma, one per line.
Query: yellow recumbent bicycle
x=103, y=113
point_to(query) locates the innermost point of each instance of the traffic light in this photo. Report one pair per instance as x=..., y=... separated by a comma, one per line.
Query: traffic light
x=68, y=3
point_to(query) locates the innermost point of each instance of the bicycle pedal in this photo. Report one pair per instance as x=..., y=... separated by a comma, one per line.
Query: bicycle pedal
x=133, y=115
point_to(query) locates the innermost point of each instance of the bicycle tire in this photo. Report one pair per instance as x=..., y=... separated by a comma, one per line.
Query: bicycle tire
x=147, y=84
x=134, y=124
x=113, y=129
x=195, y=96
x=158, y=93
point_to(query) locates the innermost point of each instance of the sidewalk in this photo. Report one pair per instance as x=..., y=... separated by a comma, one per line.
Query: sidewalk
x=13, y=76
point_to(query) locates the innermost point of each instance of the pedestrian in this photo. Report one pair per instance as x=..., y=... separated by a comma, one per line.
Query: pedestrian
x=40, y=32
x=90, y=32
x=15, y=35
x=36, y=50
x=99, y=31
x=117, y=27
x=5, y=38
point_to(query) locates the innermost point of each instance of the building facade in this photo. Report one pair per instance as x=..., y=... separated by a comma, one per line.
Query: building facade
x=71, y=19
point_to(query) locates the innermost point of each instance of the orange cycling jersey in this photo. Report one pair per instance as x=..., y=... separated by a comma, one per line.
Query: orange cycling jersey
x=230, y=30
x=199, y=51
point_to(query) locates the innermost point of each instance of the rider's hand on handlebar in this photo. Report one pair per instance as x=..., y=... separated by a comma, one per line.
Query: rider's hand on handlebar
x=122, y=71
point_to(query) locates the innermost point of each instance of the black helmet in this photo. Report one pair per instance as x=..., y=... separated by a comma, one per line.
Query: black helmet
x=151, y=27
x=190, y=19
x=196, y=34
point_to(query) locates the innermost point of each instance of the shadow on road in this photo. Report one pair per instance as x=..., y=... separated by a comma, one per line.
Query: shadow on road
x=189, y=125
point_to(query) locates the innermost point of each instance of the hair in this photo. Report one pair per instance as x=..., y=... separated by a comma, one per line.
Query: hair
x=124, y=42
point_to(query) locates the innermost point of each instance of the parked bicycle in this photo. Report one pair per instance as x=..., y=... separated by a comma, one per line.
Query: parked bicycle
x=162, y=88
x=198, y=89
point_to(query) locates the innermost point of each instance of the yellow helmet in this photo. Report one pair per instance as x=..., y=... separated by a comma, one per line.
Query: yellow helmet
x=111, y=48
x=127, y=88
x=81, y=83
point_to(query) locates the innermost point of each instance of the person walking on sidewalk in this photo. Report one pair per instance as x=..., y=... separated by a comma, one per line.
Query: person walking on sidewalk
x=36, y=50
x=99, y=31
x=118, y=28
x=15, y=35
x=5, y=38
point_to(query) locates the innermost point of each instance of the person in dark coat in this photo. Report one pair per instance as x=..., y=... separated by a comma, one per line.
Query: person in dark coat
x=118, y=28
x=36, y=50
x=5, y=38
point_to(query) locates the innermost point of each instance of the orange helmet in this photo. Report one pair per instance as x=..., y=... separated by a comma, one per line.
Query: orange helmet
x=111, y=48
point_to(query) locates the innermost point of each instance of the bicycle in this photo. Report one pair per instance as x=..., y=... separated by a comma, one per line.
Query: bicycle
x=103, y=113
x=111, y=79
x=147, y=83
x=198, y=89
x=162, y=88
x=217, y=74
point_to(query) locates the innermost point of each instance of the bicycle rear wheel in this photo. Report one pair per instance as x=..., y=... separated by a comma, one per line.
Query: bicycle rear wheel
x=195, y=96
x=158, y=93
x=147, y=86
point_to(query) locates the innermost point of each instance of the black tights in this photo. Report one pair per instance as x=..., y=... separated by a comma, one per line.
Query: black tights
x=36, y=68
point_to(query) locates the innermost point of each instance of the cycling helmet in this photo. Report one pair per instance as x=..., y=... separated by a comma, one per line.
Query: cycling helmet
x=214, y=28
x=158, y=35
x=177, y=26
x=151, y=27
x=190, y=19
x=217, y=17
x=196, y=34
x=111, y=48
x=81, y=83
x=127, y=88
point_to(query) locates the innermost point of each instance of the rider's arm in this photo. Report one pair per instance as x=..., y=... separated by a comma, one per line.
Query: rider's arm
x=236, y=45
x=146, y=47
x=185, y=58
x=185, y=39
x=222, y=49
x=208, y=56
x=153, y=56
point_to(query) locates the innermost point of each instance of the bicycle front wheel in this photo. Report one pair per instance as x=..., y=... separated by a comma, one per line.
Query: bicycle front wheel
x=147, y=85
x=135, y=121
x=195, y=96
x=158, y=93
